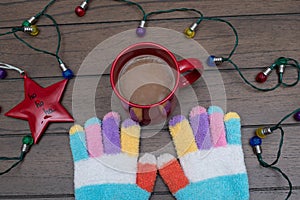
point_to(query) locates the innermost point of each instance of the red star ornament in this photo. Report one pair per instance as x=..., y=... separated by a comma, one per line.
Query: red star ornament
x=41, y=106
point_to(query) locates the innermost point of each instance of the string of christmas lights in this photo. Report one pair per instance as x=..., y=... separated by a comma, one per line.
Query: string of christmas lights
x=27, y=142
x=40, y=107
x=256, y=143
x=30, y=27
x=280, y=63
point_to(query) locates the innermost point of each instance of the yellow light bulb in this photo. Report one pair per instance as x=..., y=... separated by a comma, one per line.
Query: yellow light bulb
x=189, y=33
x=35, y=31
x=260, y=133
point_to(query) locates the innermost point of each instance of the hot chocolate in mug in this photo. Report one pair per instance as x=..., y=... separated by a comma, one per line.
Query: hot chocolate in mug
x=146, y=76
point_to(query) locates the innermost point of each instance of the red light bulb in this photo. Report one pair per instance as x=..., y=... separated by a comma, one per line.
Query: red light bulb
x=79, y=11
x=261, y=77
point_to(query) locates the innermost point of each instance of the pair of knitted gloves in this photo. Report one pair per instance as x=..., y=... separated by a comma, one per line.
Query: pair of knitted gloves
x=210, y=162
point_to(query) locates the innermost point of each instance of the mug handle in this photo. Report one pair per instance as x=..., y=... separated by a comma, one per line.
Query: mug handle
x=191, y=69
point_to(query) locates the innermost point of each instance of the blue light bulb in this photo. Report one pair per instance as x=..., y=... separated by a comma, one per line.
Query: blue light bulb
x=255, y=141
x=211, y=61
x=68, y=74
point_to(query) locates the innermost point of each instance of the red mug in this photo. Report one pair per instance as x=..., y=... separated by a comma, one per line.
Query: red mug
x=145, y=77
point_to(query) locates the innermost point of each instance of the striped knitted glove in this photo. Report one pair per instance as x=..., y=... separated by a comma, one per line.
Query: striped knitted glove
x=211, y=157
x=105, y=161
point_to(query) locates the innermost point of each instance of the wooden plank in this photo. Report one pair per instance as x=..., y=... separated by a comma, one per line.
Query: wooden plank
x=107, y=10
x=39, y=197
x=49, y=165
x=266, y=32
x=82, y=101
x=51, y=183
x=258, y=47
x=276, y=195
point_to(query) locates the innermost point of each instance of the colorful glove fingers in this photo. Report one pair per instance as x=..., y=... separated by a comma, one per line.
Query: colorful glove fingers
x=106, y=162
x=210, y=167
x=211, y=161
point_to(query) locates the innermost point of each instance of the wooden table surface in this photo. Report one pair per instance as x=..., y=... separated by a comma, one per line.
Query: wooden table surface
x=267, y=30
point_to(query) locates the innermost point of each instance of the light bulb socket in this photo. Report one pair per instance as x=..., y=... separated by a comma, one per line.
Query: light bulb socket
x=84, y=5
x=63, y=67
x=142, y=24
x=257, y=149
x=32, y=20
x=281, y=68
x=32, y=30
x=267, y=72
x=193, y=26
x=27, y=29
x=29, y=22
x=218, y=60
x=25, y=148
x=267, y=131
x=263, y=132
x=213, y=61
